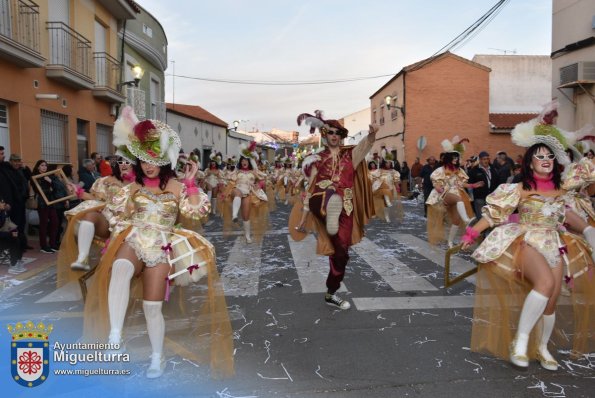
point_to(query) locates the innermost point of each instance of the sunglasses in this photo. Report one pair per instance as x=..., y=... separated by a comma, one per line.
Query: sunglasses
x=124, y=162
x=549, y=156
x=332, y=132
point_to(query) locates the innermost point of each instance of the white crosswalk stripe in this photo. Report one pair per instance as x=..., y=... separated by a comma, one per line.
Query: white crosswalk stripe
x=399, y=276
x=311, y=268
x=435, y=254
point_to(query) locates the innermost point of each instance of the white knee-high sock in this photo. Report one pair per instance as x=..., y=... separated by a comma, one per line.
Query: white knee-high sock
x=386, y=214
x=85, y=238
x=452, y=234
x=548, y=326
x=463, y=212
x=589, y=234
x=532, y=310
x=247, y=231
x=237, y=202
x=118, y=295
x=155, y=325
x=214, y=205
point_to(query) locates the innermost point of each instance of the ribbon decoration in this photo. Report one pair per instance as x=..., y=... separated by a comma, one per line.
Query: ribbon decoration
x=189, y=269
x=167, y=248
x=569, y=281
x=104, y=248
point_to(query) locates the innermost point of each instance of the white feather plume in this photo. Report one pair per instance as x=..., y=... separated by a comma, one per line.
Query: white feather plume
x=173, y=152
x=124, y=126
x=447, y=145
x=572, y=137
x=524, y=134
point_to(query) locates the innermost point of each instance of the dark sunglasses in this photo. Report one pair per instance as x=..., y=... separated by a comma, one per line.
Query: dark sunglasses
x=332, y=132
x=549, y=156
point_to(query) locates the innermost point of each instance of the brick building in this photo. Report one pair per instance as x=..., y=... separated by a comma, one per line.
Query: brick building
x=436, y=98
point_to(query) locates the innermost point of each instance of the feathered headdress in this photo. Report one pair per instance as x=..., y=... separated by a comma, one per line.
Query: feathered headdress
x=249, y=152
x=456, y=145
x=151, y=141
x=317, y=122
x=542, y=130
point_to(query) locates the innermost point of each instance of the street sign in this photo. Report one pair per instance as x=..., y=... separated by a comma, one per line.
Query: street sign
x=421, y=143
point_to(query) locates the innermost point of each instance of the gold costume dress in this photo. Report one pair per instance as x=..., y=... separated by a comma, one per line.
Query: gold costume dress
x=501, y=288
x=577, y=177
x=103, y=190
x=197, y=322
x=452, y=182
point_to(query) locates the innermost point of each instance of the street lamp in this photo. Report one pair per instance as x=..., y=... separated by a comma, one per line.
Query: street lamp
x=137, y=75
x=236, y=123
x=388, y=99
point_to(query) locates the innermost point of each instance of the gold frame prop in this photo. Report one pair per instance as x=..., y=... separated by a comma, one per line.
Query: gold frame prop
x=61, y=176
x=447, y=281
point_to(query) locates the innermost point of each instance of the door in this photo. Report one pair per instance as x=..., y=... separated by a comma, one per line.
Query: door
x=60, y=48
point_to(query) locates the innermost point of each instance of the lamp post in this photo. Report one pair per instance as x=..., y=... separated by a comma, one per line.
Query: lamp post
x=137, y=75
x=235, y=123
x=388, y=100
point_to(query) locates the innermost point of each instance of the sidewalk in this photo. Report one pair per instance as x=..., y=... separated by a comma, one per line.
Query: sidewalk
x=34, y=261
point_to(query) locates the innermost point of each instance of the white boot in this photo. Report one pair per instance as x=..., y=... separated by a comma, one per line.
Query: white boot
x=85, y=239
x=235, y=206
x=156, y=332
x=386, y=215
x=532, y=309
x=544, y=357
x=214, y=206
x=589, y=234
x=387, y=202
x=210, y=196
x=117, y=298
x=463, y=213
x=452, y=234
x=247, y=231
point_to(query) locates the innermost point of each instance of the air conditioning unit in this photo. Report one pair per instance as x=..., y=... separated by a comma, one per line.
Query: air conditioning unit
x=579, y=71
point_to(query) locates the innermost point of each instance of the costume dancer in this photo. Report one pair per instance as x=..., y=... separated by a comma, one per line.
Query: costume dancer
x=152, y=246
x=212, y=181
x=449, y=182
x=247, y=196
x=339, y=201
x=521, y=265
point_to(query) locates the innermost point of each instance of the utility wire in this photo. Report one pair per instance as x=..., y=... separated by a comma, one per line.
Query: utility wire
x=456, y=43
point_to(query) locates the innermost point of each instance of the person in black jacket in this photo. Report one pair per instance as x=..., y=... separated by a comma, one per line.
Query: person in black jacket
x=426, y=172
x=486, y=173
x=9, y=240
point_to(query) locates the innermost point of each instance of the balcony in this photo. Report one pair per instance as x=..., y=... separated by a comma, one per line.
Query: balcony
x=19, y=33
x=135, y=98
x=70, y=57
x=107, y=73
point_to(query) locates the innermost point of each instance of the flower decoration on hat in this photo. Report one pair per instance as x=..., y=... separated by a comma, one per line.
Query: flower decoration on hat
x=249, y=152
x=455, y=145
x=316, y=121
x=542, y=130
x=151, y=141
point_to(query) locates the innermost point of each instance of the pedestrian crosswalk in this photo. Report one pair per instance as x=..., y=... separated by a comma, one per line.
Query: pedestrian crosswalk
x=390, y=262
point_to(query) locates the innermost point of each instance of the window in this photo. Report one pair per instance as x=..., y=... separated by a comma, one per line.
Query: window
x=54, y=137
x=147, y=30
x=374, y=116
x=4, y=133
x=104, y=140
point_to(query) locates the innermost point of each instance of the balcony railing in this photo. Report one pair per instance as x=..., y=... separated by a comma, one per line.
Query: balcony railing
x=135, y=98
x=19, y=33
x=69, y=49
x=21, y=26
x=107, y=71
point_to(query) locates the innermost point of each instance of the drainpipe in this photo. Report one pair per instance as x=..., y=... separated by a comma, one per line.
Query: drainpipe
x=122, y=61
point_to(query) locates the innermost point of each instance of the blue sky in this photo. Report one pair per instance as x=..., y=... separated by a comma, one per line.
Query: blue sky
x=322, y=39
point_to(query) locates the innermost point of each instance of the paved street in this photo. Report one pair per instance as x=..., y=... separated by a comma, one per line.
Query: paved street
x=404, y=336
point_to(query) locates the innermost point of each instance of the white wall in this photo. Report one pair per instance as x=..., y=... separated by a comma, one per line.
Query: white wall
x=197, y=134
x=518, y=83
x=358, y=124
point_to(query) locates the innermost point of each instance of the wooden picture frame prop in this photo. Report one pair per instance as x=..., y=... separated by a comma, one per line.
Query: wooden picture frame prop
x=60, y=174
x=448, y=282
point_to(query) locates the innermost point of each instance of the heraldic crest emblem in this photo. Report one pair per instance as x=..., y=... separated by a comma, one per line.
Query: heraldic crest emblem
x=30, y=353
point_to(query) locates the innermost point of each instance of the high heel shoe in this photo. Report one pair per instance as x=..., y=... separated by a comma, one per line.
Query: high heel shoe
x=547, y=363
